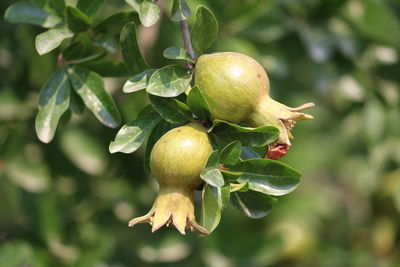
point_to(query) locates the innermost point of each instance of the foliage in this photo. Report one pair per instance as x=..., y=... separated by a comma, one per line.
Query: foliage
x=68, y=202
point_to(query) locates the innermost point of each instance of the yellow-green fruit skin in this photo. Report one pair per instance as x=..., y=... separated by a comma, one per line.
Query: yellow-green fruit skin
x=232, y=83
x=179, y=156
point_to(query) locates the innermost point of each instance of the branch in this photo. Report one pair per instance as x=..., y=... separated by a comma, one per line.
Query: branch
x=187, y=42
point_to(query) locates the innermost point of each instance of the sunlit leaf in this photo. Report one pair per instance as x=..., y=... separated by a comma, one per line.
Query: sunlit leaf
x=205, y=29
x=210, y=210
x=169, y=81
x=90, y=87
x=149, y=13
x=131, y=135
x=211, y=172
x=267, y=176
x=180, y=10
x=51, y=39
x=53, y=102
x=28, y=12
x=174, y=52
x=138, y=81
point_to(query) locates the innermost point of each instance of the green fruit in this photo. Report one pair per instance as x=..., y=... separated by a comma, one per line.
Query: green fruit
x=237, y=89
x=176, y=162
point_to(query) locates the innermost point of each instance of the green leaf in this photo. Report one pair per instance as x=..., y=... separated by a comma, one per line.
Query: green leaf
x=180, y=10
x=114, y=23
x=134, y=3
x=108, y=68
x=76, y=104
x=267, y=176
x=171, y=109
x=28, y=12
x=76, y=20
x=84, y=151
x=51, y=39
x=210, y=210
x=53, y=102
x=149, y=13
x=243, y=187
x=58, y=6
x=174, y=52
x=222, y=194
x=230, y=155
x=158, y=131
x=211, y=172
x=88, y=58
x=253, y=204
x=74, y=51
x=226, y=132
x=198, y=103
x=130, y=50
x=169, y=81
x=90, y=7
x=138, y=81
x=205, y=29
x=90, y=87
x=248, y=153
x=131, y=135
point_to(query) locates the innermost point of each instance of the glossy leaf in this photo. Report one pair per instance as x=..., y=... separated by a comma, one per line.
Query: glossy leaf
x=88, y=58
x=248, y=153
x=222, y=194
x=243, y=187
x=149, y=13
x=169, y=81
x=134, y=3
x=138, y=81
x=158, y=131
x=211, y=173
x=210, y=210
x=28, y=12
x=226, y=132
x=198, y=103
x=180, y=10
x=51, y=39
x=267, y=176
x=114, y=23
x=131, y=135
x=230, y=155
x=90, y=87
x=76, y=20
x=53, y=102
x=205, y=29
x=130, y=50
x=76, y=104
x=90, y=7
x=253, y=204
x=171, y=109
x=174, y=52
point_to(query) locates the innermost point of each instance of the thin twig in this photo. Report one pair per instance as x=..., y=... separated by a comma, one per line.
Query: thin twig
x=187, y=42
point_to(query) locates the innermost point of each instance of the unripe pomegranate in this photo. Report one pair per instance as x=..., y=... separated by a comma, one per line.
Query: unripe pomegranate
x=237, y=89
x=176, y=162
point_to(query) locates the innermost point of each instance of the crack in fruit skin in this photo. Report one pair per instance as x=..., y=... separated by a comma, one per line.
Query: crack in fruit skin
x=236, y=88
x=176, y=162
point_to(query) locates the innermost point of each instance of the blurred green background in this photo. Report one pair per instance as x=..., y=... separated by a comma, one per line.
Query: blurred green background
x=68, y=202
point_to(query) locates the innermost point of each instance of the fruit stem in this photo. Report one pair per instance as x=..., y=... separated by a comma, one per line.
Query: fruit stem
x=188, y=43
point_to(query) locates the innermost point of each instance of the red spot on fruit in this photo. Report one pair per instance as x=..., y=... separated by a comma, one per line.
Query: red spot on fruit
x=259, y=76
x=278, y=151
